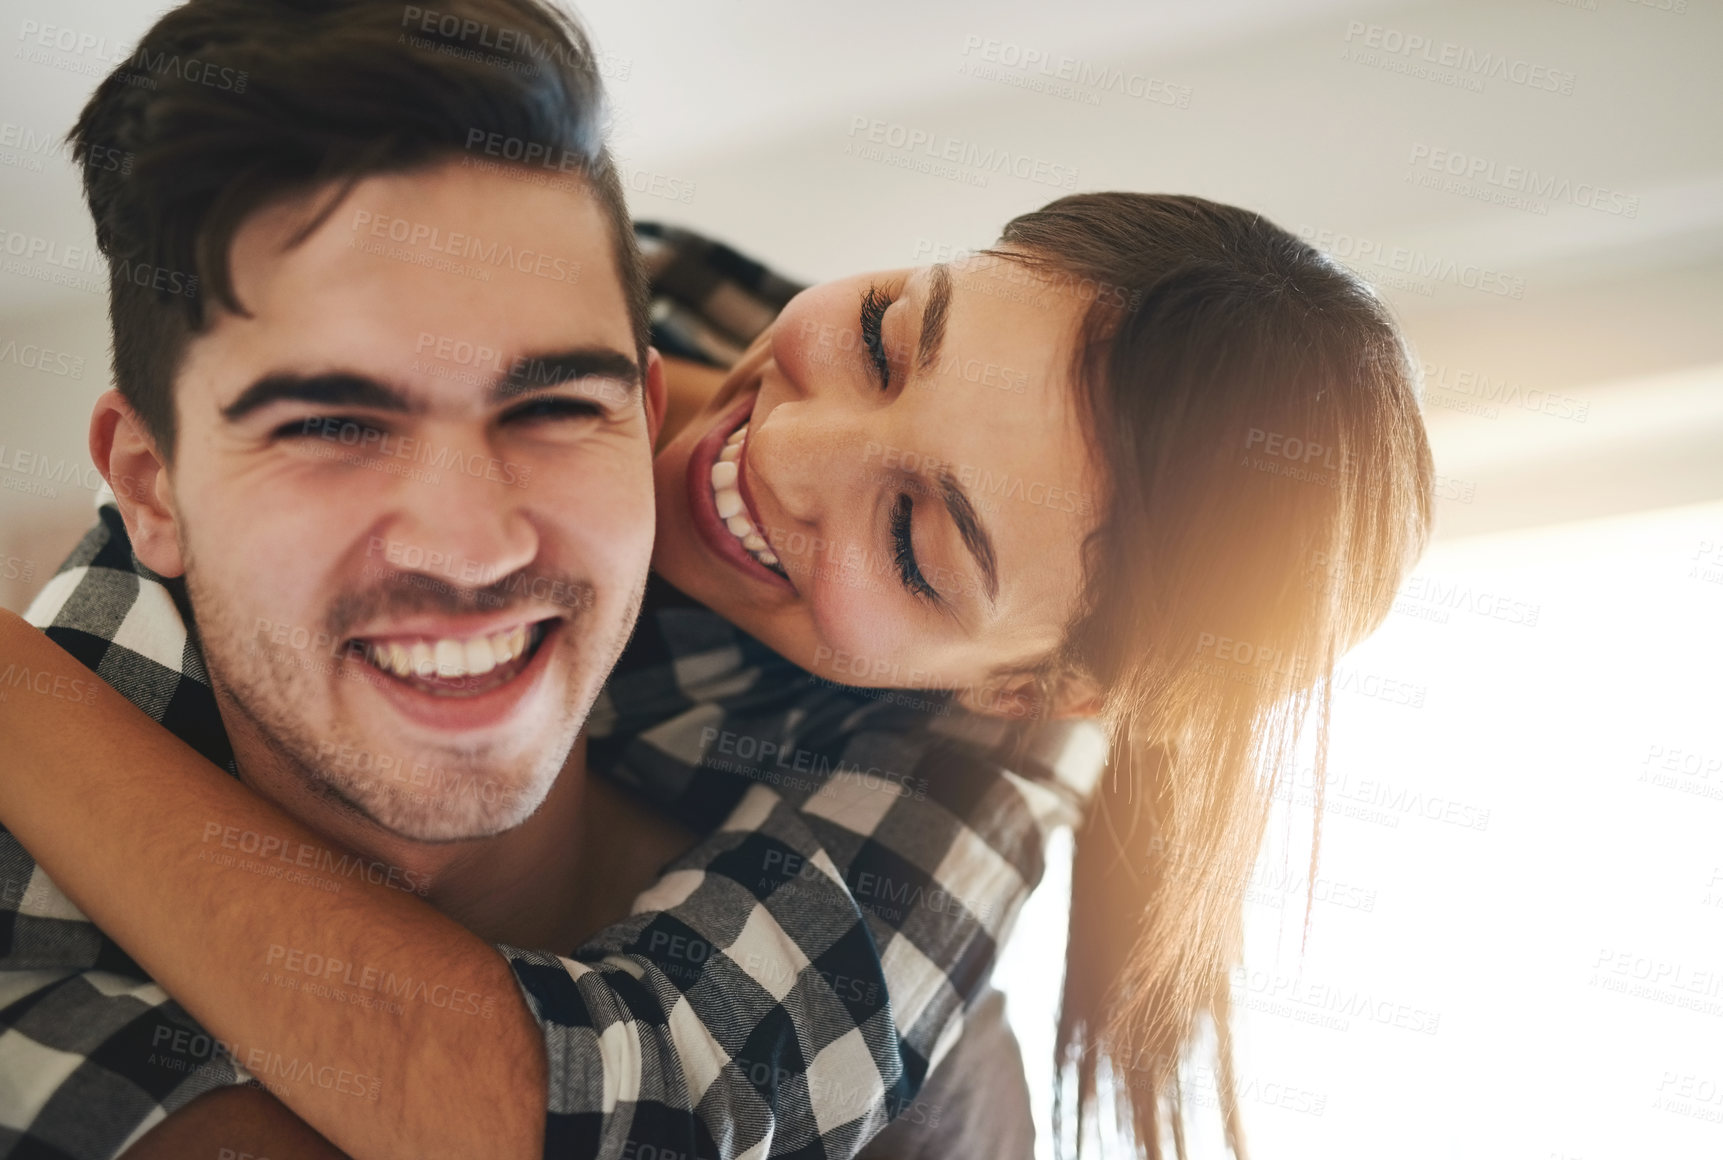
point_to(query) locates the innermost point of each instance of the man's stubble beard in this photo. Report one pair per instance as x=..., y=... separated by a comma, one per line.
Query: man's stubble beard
x=456, y=799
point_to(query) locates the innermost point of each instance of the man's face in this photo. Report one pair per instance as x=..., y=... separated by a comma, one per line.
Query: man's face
x=413, y=492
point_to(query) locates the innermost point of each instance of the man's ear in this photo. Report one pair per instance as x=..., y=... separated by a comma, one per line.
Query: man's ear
x=1020, y=696
x=657, y=395
x=126, y=455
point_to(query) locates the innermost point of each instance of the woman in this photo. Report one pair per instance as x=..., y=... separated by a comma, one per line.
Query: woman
x=1156, y=359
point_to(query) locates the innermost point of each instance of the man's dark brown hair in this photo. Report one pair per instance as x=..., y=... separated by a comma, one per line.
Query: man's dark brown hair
x=229, y=104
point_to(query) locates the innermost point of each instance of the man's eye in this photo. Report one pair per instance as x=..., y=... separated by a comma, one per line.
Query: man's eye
x=554, y=407
x=335, y=428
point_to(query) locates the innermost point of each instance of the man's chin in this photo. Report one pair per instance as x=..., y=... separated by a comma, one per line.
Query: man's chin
x=445, y=807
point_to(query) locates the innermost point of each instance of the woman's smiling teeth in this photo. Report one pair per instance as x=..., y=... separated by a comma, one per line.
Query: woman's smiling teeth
x=453, y=658
x=727, y=497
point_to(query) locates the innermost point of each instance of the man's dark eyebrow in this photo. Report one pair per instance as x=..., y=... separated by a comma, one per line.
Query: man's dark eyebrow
x=339, y=389
x=975, y=537
x=933, y=316
x=345, y=389
x=540, y=371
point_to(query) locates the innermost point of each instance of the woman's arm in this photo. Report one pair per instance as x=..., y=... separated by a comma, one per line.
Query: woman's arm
x=448, y=1083
x=233, y=1122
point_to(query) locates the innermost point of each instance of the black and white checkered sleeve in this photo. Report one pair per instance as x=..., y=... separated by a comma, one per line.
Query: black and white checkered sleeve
x=787, y=986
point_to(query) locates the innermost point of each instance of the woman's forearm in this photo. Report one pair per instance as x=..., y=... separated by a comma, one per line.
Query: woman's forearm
x=214, y=892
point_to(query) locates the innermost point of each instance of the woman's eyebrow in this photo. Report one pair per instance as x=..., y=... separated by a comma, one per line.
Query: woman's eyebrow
x=971, y=530
x=933, y=316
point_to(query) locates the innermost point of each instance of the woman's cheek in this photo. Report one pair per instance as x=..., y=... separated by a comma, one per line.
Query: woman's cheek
x=861, y=642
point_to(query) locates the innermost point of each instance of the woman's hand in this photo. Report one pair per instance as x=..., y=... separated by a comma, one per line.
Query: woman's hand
x=236, y=1123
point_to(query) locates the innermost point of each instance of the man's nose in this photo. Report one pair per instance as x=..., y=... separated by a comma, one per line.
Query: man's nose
x=461, y=519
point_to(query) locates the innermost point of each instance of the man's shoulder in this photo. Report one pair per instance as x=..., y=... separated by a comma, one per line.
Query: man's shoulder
x=91, y=1049
x=90, y=1058
x=129, y=626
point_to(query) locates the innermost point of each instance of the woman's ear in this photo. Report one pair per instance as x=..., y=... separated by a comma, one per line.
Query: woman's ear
x=1022, y=696
x=126, y=455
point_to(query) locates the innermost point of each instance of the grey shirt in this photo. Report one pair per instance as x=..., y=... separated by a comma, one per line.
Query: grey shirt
x=975, y=1104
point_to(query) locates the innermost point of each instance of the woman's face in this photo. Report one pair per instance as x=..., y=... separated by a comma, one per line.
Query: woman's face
x=893, y=485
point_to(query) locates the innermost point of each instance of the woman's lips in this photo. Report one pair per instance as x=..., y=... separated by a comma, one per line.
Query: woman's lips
x=703, y=509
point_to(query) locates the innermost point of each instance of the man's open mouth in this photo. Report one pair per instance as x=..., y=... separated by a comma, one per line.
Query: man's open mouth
x=463, y=666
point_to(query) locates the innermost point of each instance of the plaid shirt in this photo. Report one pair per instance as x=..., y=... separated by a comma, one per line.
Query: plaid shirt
x=784, y=988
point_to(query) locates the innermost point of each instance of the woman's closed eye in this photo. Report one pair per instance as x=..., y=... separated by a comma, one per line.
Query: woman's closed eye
x=903, y=550
x=873, y=308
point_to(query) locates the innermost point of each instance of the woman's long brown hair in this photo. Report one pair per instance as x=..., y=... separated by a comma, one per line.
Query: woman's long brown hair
x=1269, y=485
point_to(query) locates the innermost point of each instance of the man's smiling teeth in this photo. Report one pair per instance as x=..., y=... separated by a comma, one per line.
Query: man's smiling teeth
x=448, y=657
x=727, y=495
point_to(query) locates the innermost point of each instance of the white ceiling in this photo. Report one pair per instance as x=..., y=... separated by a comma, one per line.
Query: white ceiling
x=750, y=102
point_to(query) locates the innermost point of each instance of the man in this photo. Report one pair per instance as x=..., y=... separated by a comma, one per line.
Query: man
x=397, y=443
x=400, y=555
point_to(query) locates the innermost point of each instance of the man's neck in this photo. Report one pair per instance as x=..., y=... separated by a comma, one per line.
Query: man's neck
x=571, y=869
x=520, y=887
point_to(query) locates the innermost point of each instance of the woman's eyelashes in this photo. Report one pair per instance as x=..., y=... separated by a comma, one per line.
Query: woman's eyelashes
x=903, y=549
x=873, y=308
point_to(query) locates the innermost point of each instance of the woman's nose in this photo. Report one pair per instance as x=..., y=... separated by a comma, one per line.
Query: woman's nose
x=796, y=456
